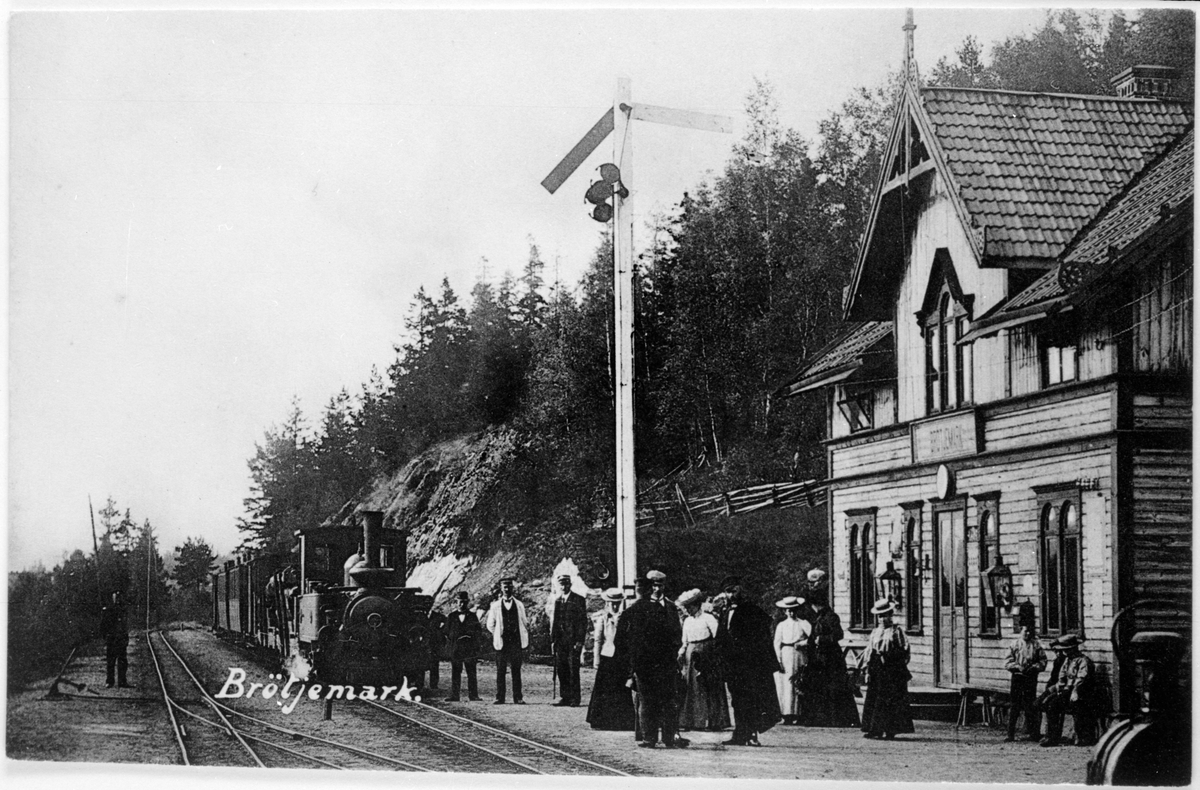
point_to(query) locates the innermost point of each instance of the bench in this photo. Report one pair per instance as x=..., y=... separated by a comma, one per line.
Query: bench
x=993, y=704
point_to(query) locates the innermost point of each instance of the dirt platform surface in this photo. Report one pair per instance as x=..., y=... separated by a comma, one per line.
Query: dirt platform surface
x=100, y=725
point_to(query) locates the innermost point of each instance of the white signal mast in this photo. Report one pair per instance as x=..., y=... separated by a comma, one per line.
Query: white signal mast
x=617, y=120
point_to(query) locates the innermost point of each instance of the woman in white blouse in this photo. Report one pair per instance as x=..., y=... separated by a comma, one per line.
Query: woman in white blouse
x=705, y=706
x=611, y=706
x=791, y=648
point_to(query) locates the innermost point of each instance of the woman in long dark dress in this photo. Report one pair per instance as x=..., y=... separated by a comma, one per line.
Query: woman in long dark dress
x=885, y=710
x=828, y=698
x=611, y=706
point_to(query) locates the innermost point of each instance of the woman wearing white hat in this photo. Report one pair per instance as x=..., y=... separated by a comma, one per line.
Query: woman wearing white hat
x=704, y=705
x=885, y=659
x=791, y=648
x=611, y=706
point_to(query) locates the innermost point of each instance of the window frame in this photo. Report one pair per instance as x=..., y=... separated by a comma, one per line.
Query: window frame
x=988, y=524
x=863, y=547
x=1061, y=597
x=914, y=570
x=864, y=399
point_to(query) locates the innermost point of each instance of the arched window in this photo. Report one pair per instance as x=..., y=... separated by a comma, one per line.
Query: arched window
x=1061, y=562
x=914, y=594
x=856, y=613
x=989, y=550
x=862, y=568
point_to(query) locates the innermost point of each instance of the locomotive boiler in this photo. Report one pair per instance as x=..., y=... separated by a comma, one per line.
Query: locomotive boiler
x=354, y=625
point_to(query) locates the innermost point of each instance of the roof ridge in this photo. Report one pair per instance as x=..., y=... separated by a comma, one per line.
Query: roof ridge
x=1101, y=96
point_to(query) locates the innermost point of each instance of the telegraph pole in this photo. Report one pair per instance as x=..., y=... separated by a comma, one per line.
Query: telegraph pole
x=618, y=121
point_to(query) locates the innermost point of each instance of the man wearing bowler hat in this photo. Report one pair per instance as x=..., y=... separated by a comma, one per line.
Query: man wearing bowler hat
x=1070, y=690
x=568, y=630
x=644, y=635
x=463, y=634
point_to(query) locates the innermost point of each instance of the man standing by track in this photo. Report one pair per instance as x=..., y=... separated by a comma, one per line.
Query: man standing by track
x=462, y=636
x=115, y=629
x=568, y=630
x=510, y=636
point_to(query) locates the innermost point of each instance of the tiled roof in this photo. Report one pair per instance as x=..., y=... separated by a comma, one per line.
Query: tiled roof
x=1169, y=181
x=847, y=351
x=1034, y=168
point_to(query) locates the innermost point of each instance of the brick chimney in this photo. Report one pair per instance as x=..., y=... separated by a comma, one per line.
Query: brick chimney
x=1144, y=82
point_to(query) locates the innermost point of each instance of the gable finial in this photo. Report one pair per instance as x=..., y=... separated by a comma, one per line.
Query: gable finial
x=910, y=61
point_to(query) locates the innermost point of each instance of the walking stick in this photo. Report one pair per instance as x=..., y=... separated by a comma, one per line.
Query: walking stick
x=554, y=670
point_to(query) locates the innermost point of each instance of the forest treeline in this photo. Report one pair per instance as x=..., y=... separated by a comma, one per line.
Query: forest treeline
x=743, y=280
x=50, y=612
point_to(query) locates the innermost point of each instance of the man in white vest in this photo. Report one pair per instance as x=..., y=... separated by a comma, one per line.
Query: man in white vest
x=510, y=636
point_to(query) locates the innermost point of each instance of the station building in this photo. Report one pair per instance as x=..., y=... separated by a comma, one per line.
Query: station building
x=1009, y=408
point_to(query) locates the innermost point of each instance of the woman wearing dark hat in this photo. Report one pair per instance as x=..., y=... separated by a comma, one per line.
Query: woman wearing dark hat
x=828, y=698
x=704, y=705
x=885, y=659
x=791, y=648
x=744, y=638
x=611, y=706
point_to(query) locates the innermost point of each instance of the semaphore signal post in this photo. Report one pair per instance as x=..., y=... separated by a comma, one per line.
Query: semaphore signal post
x=617, y=121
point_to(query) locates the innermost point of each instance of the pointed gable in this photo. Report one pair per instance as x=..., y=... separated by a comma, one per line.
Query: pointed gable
x=1025, y=171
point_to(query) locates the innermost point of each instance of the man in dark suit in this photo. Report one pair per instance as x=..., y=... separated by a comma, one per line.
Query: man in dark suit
x=646, y=636
x=568, y=630
x=463, y=636
x=115, y=630
x=744, y=639
x=437, y=646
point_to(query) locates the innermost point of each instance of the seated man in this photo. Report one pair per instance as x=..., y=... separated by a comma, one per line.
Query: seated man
x=1070, y=690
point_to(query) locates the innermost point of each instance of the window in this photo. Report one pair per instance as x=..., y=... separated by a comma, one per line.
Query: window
x=989, y=550
x=862, y=567
x=1058, y=363
x=859, y=410
x=948, y=379
x=1061, y=562
x=914, y=592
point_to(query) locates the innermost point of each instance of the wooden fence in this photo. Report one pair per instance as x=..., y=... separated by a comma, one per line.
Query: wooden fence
x=807, y=493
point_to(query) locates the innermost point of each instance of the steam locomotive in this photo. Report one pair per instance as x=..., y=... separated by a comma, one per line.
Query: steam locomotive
x=367, y=629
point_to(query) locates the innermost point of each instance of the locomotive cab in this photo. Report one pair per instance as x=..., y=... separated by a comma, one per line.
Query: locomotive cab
x=373, y=631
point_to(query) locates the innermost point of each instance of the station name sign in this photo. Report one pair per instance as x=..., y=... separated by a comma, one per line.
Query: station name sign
x=954, y=436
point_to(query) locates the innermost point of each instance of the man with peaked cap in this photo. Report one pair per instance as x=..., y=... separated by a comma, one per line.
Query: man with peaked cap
x=1071, y=689
x=510, y=636
x=658, y=595
x=568, y=631
x=645, y=636
x=744, y=640
x=463, y=635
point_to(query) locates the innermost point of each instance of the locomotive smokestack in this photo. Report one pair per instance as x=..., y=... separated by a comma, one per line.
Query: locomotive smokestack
x=372, y=532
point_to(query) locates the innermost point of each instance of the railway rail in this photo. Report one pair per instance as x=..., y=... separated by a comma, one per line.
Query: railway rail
x=527, y=755
x=433, y=739
x=252, y=729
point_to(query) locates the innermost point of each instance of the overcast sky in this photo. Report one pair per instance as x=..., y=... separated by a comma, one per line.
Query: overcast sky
x=213, y=212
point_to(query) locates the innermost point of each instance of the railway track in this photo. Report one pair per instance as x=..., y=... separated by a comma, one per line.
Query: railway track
x=524, y=754
x=429, y=738
x=253, y=734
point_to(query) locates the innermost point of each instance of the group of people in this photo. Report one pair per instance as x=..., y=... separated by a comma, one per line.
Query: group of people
x=1071, y=687
x=668, y=666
